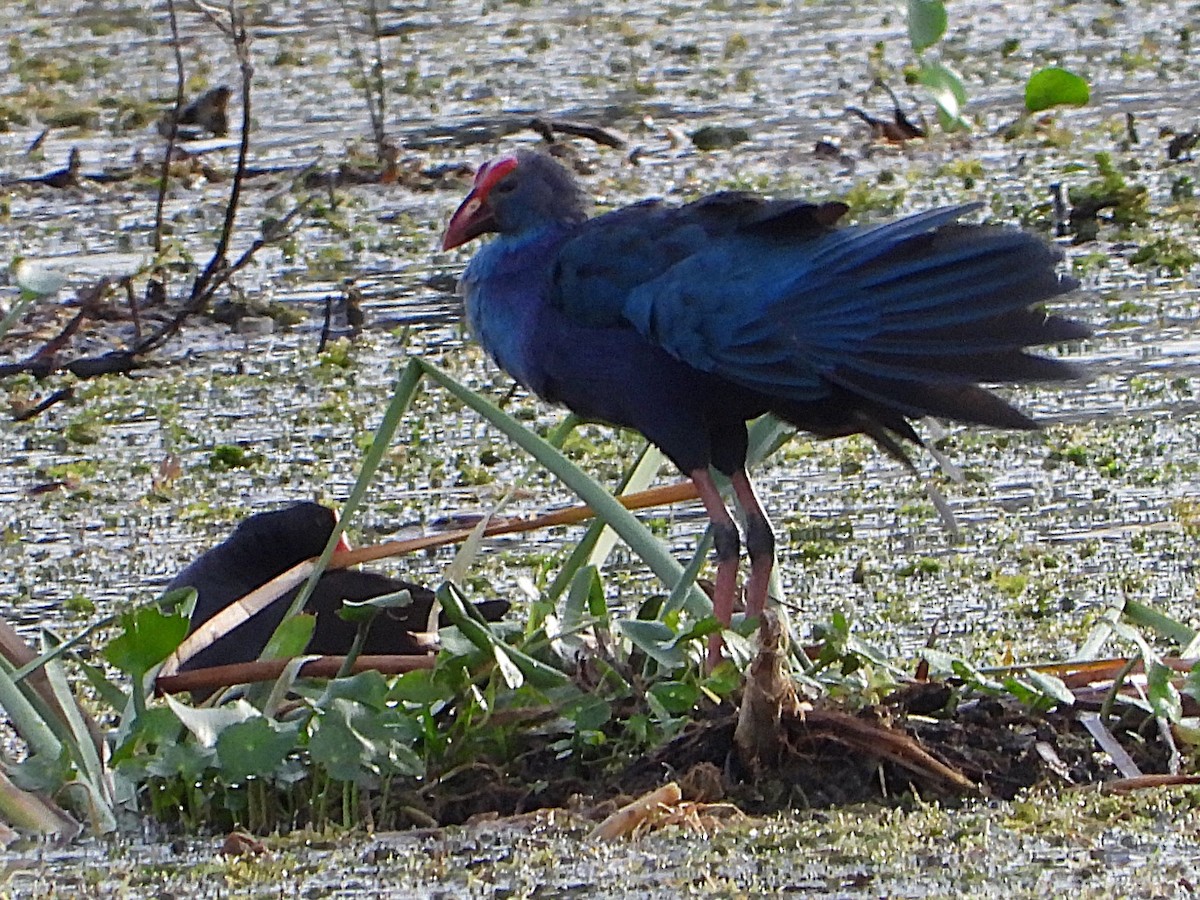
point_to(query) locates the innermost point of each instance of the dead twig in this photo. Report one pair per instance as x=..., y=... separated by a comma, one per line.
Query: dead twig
x=626, y=819
x=660, y=496
x=172, y=130
x=327, y=325
x=548, y=128
x=135, y=314
x=1145, y=782
x=879, y=741
x=216, y=677
x=374, y=84
x=35, y=411
x=217, y=271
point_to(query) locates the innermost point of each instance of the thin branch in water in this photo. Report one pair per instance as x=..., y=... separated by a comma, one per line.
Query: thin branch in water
x=173, y=129
x=327, y=326
x=35, y=411
x=548, y=128
x=135, y=313
x=374, y=85
x=217, y=271
x=241, y=46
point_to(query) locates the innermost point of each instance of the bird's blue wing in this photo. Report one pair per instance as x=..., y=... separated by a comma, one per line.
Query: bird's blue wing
x=768, y=295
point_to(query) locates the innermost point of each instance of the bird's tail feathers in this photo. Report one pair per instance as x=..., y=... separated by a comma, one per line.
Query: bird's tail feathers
x=918, y=312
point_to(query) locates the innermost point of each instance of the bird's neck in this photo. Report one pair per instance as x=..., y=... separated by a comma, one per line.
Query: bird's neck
x=504, y=292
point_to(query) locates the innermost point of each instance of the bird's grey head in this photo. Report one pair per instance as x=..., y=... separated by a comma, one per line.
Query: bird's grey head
x=516, y=194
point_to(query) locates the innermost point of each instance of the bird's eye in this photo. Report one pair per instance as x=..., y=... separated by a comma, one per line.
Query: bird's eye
x=504, y=187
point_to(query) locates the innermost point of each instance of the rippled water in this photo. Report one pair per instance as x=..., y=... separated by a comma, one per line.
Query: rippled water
x=463, y=79
x=460, y=71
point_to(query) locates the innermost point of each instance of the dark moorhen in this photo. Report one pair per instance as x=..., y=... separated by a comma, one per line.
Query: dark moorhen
x=267, y=544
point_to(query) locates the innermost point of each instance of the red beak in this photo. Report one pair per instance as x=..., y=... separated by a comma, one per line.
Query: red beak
x=343, y=543
x=472, y=218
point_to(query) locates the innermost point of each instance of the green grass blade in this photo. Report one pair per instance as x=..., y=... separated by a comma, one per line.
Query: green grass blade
x=30, y=721
x=115, y=698
x=767, y=434
x=678, y=594
x=638, y=478
x=468, y=551
x=90, y=768
x=64, y=647
x=636, y=536
x=1146, y=617
x=586, y=550
x=406, y=388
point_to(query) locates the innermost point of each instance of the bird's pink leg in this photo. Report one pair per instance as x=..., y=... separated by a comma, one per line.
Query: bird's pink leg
x=760, y=544
x=728, y=549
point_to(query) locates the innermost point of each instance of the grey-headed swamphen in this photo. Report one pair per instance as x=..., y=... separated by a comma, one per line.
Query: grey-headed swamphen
x=683, y=322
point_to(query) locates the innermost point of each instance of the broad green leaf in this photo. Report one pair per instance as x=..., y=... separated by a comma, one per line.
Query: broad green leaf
x=514, y=664
x=941, y=663
x=457, y=646
x=676, y=697
x=352, y=742
x=181, y=601
x=254, y=748
x=1147, y=617
x=478, y=634
x=722, y=681
x=369, y=688
x=147, y=638
x=1051, y=686
x=339, y=747
x=186, y=761
x=1019, y=689
x=419, y=687
x=42, y=772
x=156, y=727
x=367, y=610
x=926, y=23
x=1163, y=695
x=1052, y=87
x=947, y=91
x=589, y=712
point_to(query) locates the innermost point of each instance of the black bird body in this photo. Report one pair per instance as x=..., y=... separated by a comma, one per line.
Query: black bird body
x=266, y=545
